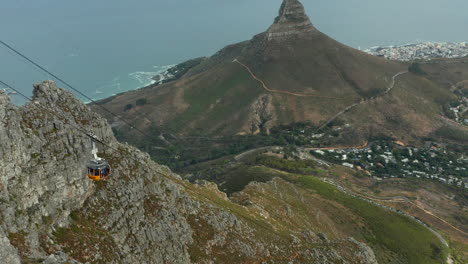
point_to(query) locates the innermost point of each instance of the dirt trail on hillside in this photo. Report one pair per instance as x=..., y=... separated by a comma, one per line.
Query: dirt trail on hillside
x=363, y=101
x=279, y=91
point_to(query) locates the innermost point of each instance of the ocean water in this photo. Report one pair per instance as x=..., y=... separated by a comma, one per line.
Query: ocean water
x=126, y=82
x=110, y=46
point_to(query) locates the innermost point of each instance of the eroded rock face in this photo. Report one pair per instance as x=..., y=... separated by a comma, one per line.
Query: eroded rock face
x=262, y=115
x=42, y=161
x=292, y=22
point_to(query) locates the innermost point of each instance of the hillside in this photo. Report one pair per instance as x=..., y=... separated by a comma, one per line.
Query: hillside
x=289, y=74
x=51, y=213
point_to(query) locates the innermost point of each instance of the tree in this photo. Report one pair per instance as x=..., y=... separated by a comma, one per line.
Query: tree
x=415, y=68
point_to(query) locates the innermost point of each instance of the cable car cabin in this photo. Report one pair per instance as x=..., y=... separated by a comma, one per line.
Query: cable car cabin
x=98, y=169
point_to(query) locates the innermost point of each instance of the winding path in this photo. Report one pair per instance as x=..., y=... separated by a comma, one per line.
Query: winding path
x=389, y=88
x=279, y=91
x=347, y=109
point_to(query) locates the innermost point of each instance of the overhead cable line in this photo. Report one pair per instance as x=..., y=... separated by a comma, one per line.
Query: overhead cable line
x=80, y=129
x=71, y=87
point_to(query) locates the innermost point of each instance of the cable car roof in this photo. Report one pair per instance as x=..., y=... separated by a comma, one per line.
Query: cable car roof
x=98, y=164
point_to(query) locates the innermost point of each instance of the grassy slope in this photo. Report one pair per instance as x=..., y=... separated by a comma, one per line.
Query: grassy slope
x=211, y=102
x=447, y=72
x=409, y=112
x=396, y=232
x=384, y=230
x=391, y=235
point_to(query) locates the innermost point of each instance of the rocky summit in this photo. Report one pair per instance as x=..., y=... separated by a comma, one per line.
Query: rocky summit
x=292, y=22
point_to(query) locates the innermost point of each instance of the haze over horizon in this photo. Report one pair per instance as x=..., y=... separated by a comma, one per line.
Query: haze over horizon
x=96, y=45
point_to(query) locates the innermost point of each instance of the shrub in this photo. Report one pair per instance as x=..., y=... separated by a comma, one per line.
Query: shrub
x=452, y=133
x=141, y=101
x=128, y=107
x=415, y=67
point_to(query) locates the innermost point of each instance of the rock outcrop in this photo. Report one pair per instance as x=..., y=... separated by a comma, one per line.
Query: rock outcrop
x=262, y=115
x=292, y=22
x=51, y=213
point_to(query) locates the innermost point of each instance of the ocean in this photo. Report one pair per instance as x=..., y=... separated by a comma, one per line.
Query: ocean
x=111, y=46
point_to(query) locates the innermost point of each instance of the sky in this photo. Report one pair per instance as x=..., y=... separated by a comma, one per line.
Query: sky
x=107, y=46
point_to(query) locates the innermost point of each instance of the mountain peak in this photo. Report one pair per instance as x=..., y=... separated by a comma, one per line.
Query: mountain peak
x=291, y=22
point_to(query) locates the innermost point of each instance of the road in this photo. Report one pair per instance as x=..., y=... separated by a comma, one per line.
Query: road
x=243, y=154
x=363, y=146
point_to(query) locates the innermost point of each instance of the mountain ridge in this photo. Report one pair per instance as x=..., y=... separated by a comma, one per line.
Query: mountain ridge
x=220, y=96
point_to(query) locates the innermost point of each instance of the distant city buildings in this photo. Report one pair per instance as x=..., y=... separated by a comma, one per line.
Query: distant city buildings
x=390, y=160
x=421, y=51
x=427, y=51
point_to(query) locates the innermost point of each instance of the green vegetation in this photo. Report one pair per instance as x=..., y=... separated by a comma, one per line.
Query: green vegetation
x=128, y=107
x=232, y=176
x=384, y=229
x=459, y=252
x=453, y=134
x=179, y=70
x=415, y=67
x=18, y=240
x=464, y=92
x=203, y=232
x=293, y=166
x=393, y=231
x=305, y=134
x=84, y=237
x=237, y=178
x=141, y=102
x=201, y=100
x=386, y=159
x=188, y=151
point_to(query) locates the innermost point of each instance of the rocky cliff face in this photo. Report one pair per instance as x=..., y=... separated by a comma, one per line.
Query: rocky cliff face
x=41, y=164
x=51, y=213
x=292, y=22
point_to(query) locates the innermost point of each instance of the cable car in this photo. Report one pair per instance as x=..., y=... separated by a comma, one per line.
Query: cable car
x=98, y=168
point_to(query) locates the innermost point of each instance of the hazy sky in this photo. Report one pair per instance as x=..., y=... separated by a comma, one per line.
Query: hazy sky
x=89, y=42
